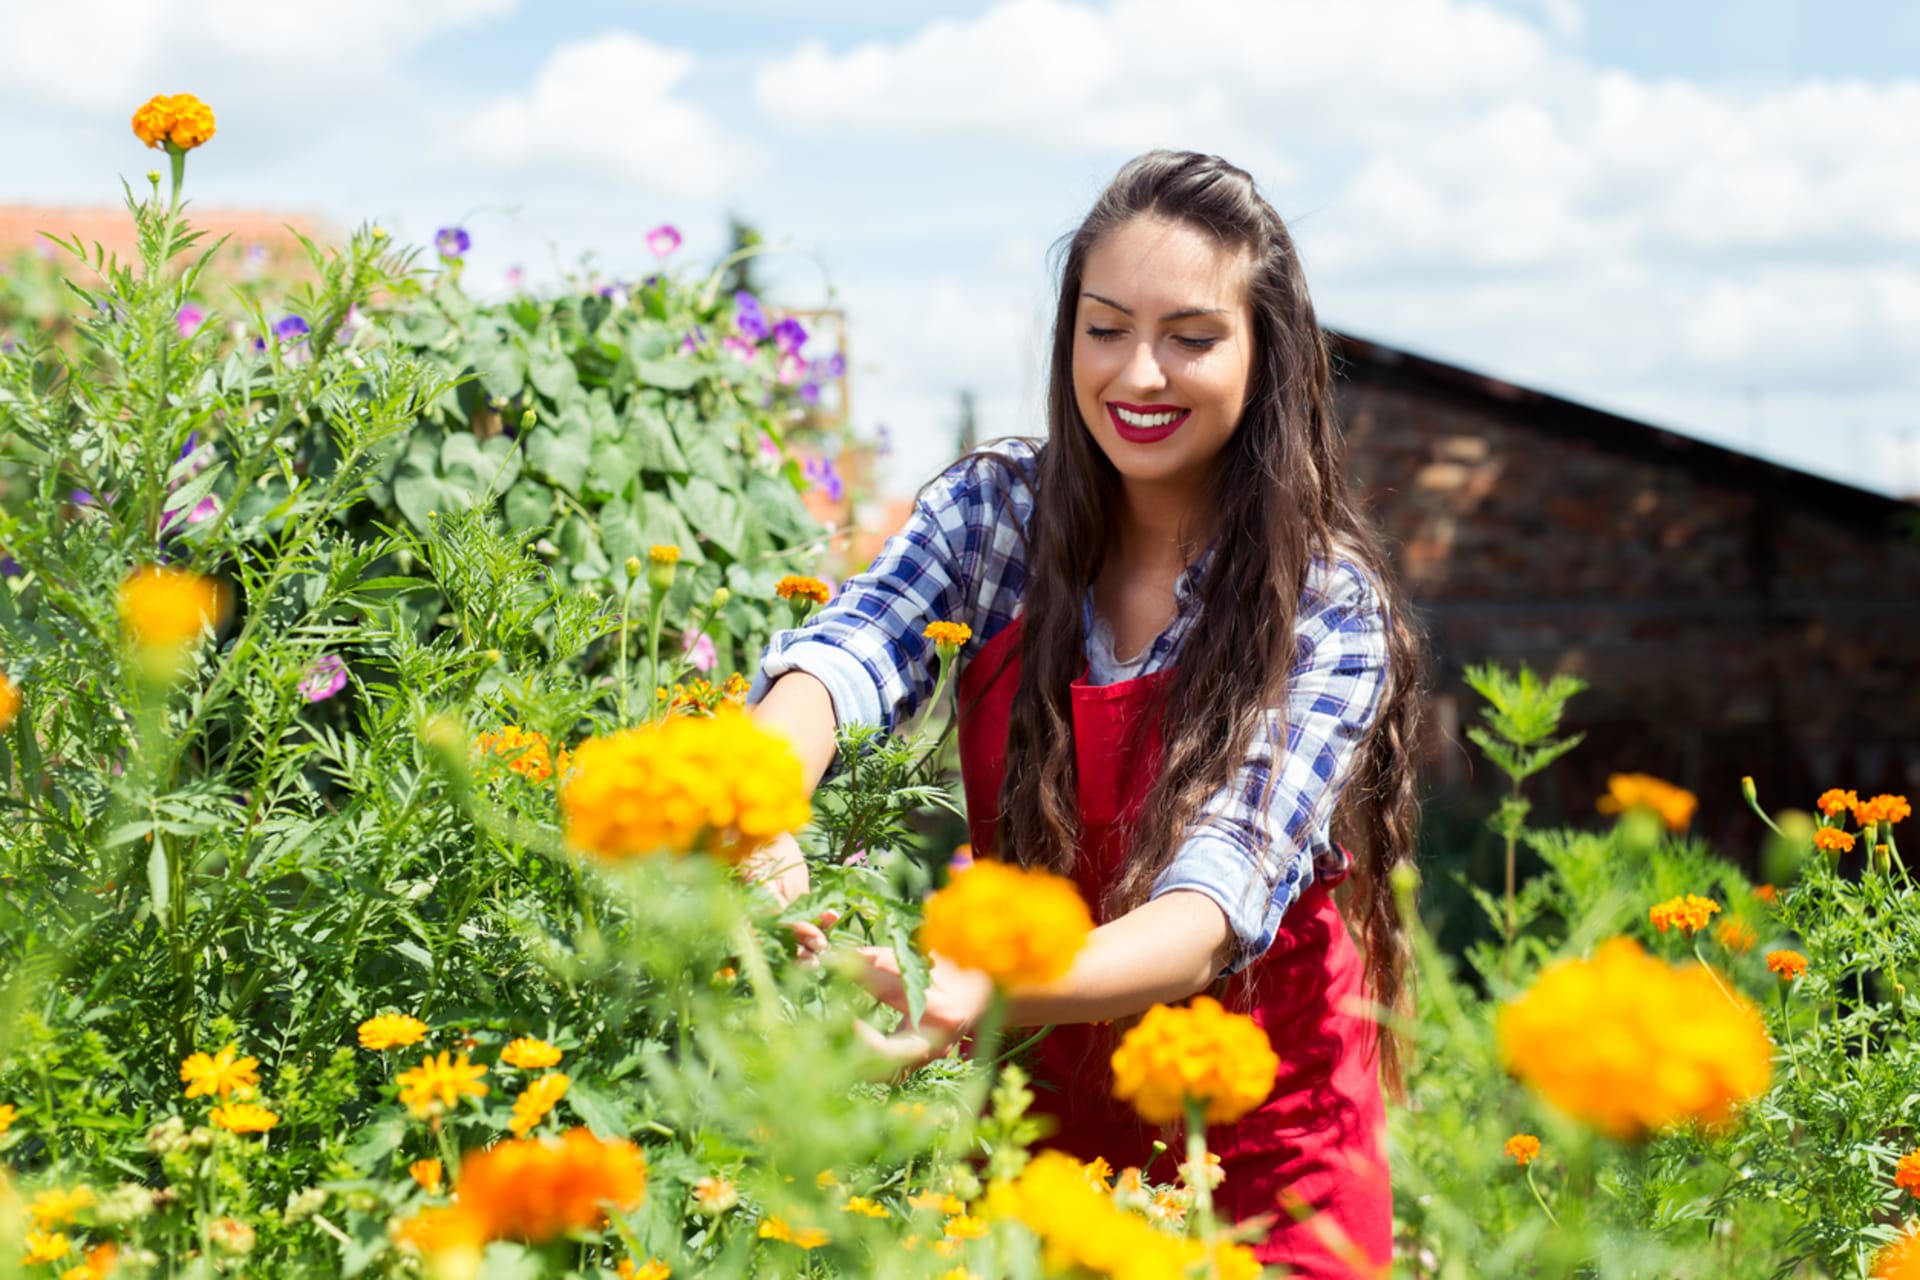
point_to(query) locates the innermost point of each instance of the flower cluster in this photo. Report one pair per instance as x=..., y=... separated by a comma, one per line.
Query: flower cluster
x=796, y=586
x=179, y=119
x=1524, y=1148
x=1583, y=1035
x=1019, y=926
x=533, y=1190
x=526, y=752
x=805, y=1238
x=702, y=697
x=1673, y=805
x=670, y=786
x=1200, y=1053
x=1688, y=914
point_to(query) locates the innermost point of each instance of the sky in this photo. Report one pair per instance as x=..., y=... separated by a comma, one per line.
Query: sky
x=1701, y=214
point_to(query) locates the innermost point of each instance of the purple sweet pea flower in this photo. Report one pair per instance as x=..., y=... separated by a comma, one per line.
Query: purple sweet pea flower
x=695, y=339
x=748, y=318
x=259, y=344
x=820, y=473
x=791, y=369
x=884, y=436
x=698, y=646
x=789, y=336
x=834, y=366
x=188, y=319
x=452, y=242
x=291, y=329
x=325, y=677
x=810, y=393
x=738, y=346
x=663, y=240
x=9, y=567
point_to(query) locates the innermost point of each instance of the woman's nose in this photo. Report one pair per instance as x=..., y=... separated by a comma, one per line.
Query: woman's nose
x=1143, y=368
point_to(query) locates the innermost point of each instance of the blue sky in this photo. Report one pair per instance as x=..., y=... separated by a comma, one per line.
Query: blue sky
x=1701, y=213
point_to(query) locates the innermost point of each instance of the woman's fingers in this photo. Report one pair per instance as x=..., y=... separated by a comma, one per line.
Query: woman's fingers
x=907, y=1047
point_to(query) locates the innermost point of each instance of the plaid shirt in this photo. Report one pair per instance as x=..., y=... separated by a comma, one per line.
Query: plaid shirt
x=1260, y=840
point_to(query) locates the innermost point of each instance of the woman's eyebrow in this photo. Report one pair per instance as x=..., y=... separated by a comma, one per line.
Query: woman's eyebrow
x=1185, y=313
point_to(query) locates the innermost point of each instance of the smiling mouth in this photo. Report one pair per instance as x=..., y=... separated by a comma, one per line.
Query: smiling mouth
x=1145, y=424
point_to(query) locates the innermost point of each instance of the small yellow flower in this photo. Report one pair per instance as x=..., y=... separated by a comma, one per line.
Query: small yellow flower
x=243, y=1117
x=963, y=1226
x=1882, y=808
x=391, y=1031
x=45, y=1246
x=439, y=1083
x=7, y=1116
x=220, y=1074
x=659, y=554
x=651, y=1269
x=806, y=1238
x=1524, y=1148
x=948, y=635
x=177, y=118
x=9, y=702
x=100, y=1262
x=526, y=753
x=865, y=1207
x=57, y=1206
x=1674, y=805
x=1736, y=935
x=536, y=1100
x=429, y=1173
x=945, y=1202
x=1019, y=926
x=1201, y=1054
x=825, y=1178
x=530, y=1054
x=798, y=586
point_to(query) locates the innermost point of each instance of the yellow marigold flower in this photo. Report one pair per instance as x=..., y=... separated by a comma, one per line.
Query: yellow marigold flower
x=1833, y=840
x=799, y=586
x=1081, y=1227
x=442, y=1230
x=1882, y=809
x=945, y=1202
x=1674, y=805
x=220, y=1074
x=865, y=1207
x=661, y=554
x=1906, y=1174
x=805, y=1238
x=948, y=635
x=243, y=1117
x=1689, y=914
x=7, y=1116
x=1736, y=935
x=1899, y=1260
x=651, y=1269
x=530, y=1054
x=438, y=1083
x=1523, y=1147
x=429, y=1173
x=1200, y=1053
x=1098, y=1171
x=1019, y=926
x=165, y=608
x=57, y=1206
x=179, y=118
x=714, y=1195
x=538, y=1189
x=1788, y=964
x=536, y=1100
x=45, y=1246
x=774, y=1229
x=825, y=1178
x=721, y=781
x=1834, y=802
x=958, y=1273
x=9, y=702
x=1583, y=1035
x=962, y=1226
x=527, y=753
x=391, y=1031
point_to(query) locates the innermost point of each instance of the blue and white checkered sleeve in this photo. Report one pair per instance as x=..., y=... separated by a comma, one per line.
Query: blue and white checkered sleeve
x=953, y=561
x=1254, y=847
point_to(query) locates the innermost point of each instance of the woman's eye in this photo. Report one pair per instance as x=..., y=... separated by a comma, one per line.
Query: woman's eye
x=1198, y=344
x=1093, y=331
x=1107, y=335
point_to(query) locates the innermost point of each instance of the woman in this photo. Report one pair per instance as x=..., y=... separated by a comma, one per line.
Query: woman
x=1190, y=679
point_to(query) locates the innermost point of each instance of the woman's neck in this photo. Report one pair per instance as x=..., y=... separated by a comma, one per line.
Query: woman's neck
x=1159, y=530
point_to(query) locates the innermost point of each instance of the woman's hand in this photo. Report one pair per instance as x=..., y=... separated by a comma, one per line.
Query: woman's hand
x=957, y=998
x=782, y=868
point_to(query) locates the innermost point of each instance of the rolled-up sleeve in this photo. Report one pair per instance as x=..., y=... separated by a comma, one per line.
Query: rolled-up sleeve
x=1256, y=843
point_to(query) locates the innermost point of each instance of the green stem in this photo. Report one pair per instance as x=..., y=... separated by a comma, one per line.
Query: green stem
x=653, y=649
x=1711, y=974
x=1201, y=1184
x=626, y=685
x=1538, y=1198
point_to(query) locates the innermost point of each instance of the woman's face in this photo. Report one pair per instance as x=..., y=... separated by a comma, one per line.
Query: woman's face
x=1162, y=349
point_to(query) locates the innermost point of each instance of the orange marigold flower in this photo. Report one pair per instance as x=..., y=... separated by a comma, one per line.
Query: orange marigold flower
x=9, y=702
x=391, y=1031
x=1899, y=1260
x=1200, y=1053
x=651, y=1269
x=1736, y=935
x=1766, y=893
x=1523, y=1147
x=715, y=1195
x=536, y=1189
x=720, y=782
x=798, y=586
x=57, y=1206
x=1906, y=1174
x=1788, y=964
x=1882, y=808
x=1689, y=914
x=1833, y=840
x=1674, y=805
x=220, y=1074
x=442, y=1230
x=1581, y=1036
x=243, y=1117
x=530, y=1054
x=177, y=118
x=100, y=1262
x=429, y=1173
x=166, y=608
x=439, y=1083
x=1019, y=926
x=948, y=635
x=539, y=1098
x=1834, y=802
x=527, y=753
x=45, y=1246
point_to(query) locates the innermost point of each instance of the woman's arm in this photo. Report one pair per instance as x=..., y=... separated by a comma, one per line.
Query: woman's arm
x=799, y=709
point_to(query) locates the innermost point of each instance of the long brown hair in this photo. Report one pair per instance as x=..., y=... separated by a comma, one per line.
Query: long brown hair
x=1282, y=504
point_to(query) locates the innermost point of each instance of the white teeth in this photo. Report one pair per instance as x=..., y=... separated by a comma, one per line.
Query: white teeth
x=1133, y=419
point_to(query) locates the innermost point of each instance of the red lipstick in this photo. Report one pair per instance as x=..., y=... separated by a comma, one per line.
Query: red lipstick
x=1145, y=435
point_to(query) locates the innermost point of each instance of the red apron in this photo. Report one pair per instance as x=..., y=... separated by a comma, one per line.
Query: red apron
x=1314, y=1153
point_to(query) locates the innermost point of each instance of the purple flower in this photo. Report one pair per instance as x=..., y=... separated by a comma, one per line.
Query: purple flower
x=188, y=319
x=738, y=346
x=858, y=858
x=81, y=498
x=698, y=646
x=452, y=242
x=791, y=369
x=695, y=339
x=820, y=473
x=256, y=260
x=324, y=678
x=259, y=344
x=789, y=336
x=663, y=240
x=291, y=328
x=9, y=567
x=834, y=366
x=747, y=316
x=810, y=392
x=884, y=435
x=204, y=510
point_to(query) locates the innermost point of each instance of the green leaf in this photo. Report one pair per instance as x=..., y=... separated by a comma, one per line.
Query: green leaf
x=377, y=1141
x=614, y=465
x=553, y=375
x=159, y=881
x=493, y=464
x=597, y=1111
x=500, y=358
x=668, y=375
x=528, y=505
x=560, y=453
x=657, y=449
x=713, y=512
x=914, y=975
x=586, y=562
x=780, y=508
